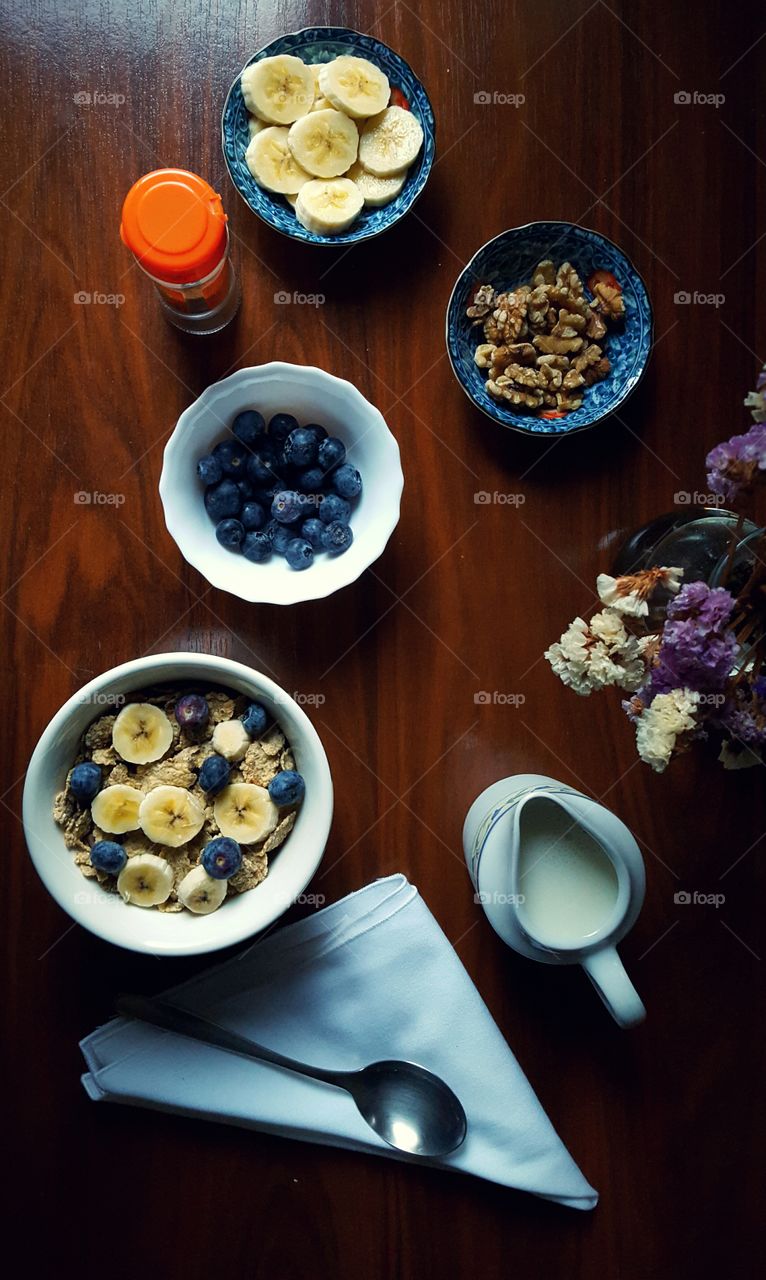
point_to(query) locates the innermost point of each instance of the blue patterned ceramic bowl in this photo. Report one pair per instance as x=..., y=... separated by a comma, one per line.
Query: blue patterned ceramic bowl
x=509, y=260
x=321, y=44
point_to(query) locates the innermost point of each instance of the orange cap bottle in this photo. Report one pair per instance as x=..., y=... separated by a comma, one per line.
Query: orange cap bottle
x=174, y=224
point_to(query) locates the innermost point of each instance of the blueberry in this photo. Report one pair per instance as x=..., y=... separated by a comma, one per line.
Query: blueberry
x=256, y=547
x=248, y=426
x=232, y=456
x=337, y=537
x=261, y=468
x=310, y=479
x=85, y=781
x=223, y=500
x=255, y=719
x=281, y=425
x=192, y=711
x=247, y=492
x=214, y=774
x=230, y=533
x=108, y=856
x=300, y=448
x=209, y=469
x=280, y=535
x=312, y=530
x=287, y=787
x=334, y=508
x=222, y=858
x=287, y=506
x=332, y=452
x=253, y=515
x=318, y=432
x=346, y=481
x=299, y=554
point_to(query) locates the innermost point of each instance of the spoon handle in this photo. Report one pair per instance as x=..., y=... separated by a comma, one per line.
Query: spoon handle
x=171, y=1018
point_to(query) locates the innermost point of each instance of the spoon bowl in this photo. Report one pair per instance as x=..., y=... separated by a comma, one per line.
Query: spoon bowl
x=409, y=1107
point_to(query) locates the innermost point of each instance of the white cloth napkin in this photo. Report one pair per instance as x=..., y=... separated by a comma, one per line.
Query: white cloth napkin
x=371, y=976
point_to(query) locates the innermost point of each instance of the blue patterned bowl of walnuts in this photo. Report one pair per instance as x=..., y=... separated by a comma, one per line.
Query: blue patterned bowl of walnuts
x=316, y=45
x=562, y=358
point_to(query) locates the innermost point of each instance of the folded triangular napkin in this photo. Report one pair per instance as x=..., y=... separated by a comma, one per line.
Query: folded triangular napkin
x=370, y=977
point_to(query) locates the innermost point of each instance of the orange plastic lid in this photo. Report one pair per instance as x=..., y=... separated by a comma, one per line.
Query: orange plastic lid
x=173, y=222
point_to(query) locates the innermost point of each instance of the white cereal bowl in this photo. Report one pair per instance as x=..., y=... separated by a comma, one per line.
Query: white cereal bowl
x=312, y=396
x=145, y=929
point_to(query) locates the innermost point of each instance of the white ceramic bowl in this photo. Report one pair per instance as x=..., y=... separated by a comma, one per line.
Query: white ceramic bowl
x=145, y=929
x=312, y=396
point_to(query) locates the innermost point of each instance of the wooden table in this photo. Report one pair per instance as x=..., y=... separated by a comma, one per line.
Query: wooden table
x=664, y=1121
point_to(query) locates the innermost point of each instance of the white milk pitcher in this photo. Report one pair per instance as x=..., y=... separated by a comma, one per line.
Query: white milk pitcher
x=560, y=878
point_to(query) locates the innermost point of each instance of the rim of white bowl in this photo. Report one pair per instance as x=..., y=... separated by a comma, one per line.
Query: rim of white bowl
x=298, y=587
x=217, y=932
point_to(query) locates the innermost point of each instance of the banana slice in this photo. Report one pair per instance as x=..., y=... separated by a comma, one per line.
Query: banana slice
x=328, y=207
x=170, y=816
x=355, y=86
x=230, y=740
x=254, y=125
x=390, y=142
x=291, y=199
x=115, y=809
x=200, y=893
x=376, y=191
x=322, y=104
x=324, y=143
x=273, y=164
x=146, y=880
x=245, y=812
x=279, y=89
x=141, y=733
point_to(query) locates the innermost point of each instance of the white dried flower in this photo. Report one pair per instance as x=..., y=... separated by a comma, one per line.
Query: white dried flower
x=662, y=723
x=593, y=657
x=629, y=594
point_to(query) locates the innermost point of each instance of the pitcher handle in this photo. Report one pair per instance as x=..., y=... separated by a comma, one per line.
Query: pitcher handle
x=607, y=973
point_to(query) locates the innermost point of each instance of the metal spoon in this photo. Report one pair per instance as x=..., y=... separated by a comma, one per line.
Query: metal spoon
x=408, y=1107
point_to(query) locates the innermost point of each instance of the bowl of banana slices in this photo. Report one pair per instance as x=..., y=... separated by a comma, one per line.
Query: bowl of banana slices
x=328, y=135
x=154, y=827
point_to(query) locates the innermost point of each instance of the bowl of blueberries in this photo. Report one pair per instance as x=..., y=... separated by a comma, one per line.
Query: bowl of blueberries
x=281, y=483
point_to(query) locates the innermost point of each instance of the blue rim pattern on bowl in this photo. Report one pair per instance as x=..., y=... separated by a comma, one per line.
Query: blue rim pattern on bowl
x=321, y=44
x=509, y=260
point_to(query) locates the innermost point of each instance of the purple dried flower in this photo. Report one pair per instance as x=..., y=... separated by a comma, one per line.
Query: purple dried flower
x=697, y=649
x=744, y=714
x=734, y=466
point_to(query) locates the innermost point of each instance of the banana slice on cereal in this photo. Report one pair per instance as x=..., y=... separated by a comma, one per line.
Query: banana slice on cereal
x=146, y=880
x=230, y=740
x=390, y=141
x=376, y=191
x=279, y=89
x=170, y=816
x=328, y=207
x=200, y=893
x=141, y=733
x=116, y=808
x=273, y=164
x=354, y=86
x=324, y=143
x=245, y=812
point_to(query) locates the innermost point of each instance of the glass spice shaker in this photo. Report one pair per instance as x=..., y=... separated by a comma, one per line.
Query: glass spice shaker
x=174, y=225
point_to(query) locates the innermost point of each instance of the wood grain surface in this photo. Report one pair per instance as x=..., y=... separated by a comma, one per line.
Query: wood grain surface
x=667, y=1121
